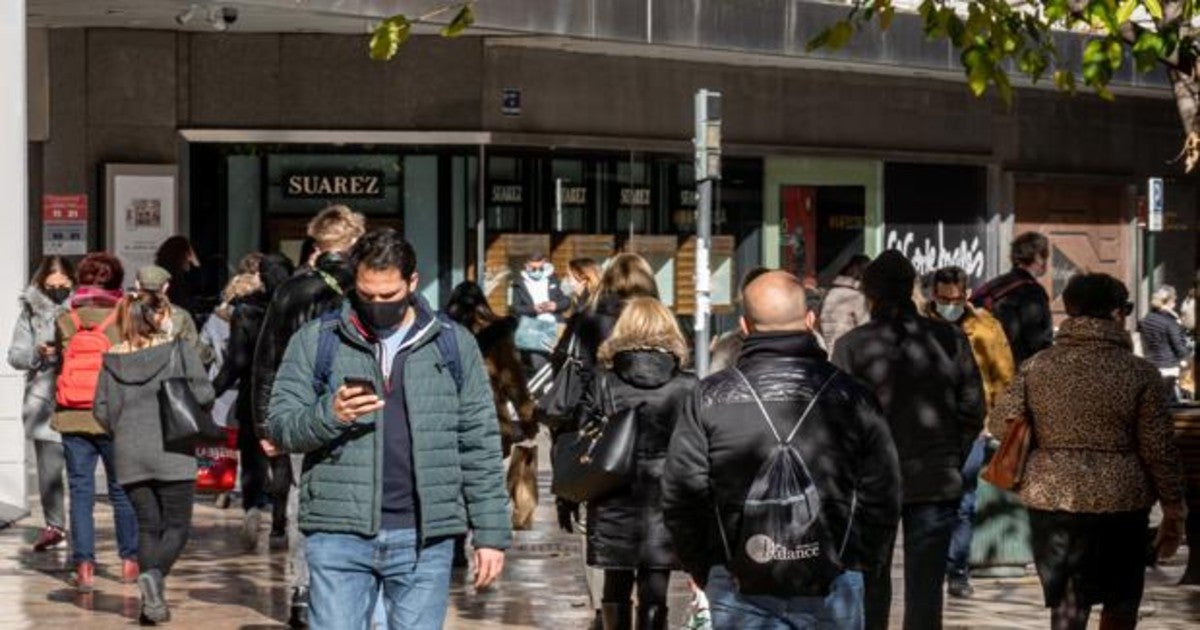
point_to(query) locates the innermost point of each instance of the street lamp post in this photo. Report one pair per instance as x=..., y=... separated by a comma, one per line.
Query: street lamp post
x=708, y=171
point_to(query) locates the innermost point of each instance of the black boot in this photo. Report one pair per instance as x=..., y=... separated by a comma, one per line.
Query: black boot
x=617, y=616
x=652, y=617
x=299, y=616
x=154, y=603
x=597, y=621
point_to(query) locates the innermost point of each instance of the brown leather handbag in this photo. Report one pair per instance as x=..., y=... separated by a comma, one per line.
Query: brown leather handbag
x=1007, y=468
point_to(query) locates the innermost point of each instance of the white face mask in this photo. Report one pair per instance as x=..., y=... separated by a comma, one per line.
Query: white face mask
x=950, y=312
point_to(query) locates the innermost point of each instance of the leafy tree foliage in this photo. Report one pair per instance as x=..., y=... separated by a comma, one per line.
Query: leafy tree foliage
x=995, y=38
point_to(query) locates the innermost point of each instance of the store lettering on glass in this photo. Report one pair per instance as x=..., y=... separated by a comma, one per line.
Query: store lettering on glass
x=347, y=185
x=506, y=193
x=635, y=196
x=930, y=254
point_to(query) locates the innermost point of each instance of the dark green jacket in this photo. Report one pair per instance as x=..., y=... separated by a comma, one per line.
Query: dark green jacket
x=455, y=437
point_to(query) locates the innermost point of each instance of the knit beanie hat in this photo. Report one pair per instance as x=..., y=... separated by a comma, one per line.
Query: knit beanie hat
x=889, y=278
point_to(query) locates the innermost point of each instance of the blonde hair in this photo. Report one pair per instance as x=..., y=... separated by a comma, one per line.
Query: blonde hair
x=1164, y=297
x=588, y=270
x=241, y=285
x=336, y=228
x=645, y=324
x=627, y=276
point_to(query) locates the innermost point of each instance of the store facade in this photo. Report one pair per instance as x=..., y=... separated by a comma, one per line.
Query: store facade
x=486, y=150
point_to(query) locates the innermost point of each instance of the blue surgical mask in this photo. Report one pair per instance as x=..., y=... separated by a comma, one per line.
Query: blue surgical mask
x=950, y=312
x=536, y=274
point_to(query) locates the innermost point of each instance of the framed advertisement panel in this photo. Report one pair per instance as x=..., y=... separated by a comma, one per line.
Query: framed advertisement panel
x=142, y=211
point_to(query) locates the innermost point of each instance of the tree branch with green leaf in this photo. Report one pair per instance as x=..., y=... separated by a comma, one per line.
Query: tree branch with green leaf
x=392, y=32
x=996, y=37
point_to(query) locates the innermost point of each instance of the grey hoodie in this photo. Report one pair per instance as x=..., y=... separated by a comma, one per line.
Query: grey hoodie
x=127, y=407
x=35, y=326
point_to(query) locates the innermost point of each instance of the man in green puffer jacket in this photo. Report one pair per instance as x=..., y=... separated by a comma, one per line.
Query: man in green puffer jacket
x=400, y=459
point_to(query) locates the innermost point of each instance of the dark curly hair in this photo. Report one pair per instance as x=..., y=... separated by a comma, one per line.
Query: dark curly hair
x=100, y=269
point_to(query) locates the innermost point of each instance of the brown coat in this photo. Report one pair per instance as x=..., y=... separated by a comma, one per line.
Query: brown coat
x=507, y=376
x=1103, y=440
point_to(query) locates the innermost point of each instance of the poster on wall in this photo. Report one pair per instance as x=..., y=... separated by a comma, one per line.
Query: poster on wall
x=64, y=225
x=142, y=211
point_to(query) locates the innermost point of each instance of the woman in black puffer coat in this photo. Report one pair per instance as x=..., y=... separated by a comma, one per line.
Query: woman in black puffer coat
x=625, y=532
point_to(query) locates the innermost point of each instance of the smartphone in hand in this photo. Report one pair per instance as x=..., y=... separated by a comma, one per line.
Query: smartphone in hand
x=366, y=384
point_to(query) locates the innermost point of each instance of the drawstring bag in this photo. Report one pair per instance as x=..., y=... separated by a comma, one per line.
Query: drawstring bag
x=784, y=547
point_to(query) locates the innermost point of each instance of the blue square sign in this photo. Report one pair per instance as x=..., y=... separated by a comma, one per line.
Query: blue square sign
x=510, y=102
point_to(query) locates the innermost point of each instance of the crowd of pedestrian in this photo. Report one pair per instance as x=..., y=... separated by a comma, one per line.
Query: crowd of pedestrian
x=373, y=429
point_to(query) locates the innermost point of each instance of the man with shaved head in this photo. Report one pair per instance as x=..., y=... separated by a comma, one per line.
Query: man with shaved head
x=729, y=430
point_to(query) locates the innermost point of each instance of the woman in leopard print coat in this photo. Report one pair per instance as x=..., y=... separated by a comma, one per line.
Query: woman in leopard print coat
x=1104, y=453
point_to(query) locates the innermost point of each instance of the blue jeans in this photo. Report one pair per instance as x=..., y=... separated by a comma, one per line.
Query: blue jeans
x=842, y=609
x=81, y=452
x=958, y=562
x=348, y=571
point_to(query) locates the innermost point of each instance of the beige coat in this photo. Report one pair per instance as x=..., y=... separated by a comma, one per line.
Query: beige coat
x=1103, y=440
x=844, y=309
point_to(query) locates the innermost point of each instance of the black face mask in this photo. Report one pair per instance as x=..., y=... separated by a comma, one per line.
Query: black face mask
x=381, y=317
x=58, y=295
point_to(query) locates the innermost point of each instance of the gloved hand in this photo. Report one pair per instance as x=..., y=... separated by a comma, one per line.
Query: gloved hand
x=568, y=513
x=1170, y=532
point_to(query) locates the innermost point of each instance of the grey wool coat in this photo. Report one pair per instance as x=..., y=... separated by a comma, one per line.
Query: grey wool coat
x=35, y=326
x=127, y=407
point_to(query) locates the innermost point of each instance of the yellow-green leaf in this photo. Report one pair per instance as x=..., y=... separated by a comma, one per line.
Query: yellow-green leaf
x=839, y=35
x=1104, y=93
x=389, y=36
x=1065, y=80
x=886, y=15
x=1154, y=8
x=1003, y=87
x=1125, y=11
x=461, y=22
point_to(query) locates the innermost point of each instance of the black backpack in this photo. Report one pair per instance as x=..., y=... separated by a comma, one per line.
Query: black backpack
x=784, y=548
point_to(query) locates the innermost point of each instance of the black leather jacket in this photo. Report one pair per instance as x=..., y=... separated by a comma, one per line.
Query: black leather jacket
x=244, y=329
x=925, y=377
x=722, y=440
x=301, y=299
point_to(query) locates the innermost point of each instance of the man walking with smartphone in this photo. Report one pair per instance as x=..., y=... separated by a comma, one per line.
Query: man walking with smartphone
x=392, y=408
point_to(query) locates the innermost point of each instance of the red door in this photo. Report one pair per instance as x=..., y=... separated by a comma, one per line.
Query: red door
x=799, y=229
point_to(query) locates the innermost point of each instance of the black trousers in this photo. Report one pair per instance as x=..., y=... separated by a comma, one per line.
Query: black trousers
x=255, y=472
x=927, y=531
x=651, y=586
x=164, y=515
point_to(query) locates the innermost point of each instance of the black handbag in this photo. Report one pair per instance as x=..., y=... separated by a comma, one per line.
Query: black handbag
x=565, y=392
x=185, y=422
x=598, y=458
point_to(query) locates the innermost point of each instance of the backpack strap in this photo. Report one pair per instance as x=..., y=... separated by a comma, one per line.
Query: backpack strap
x=327, y=344
x=108, y=321
x=767, y=417
x=992, y=295
x=447, y=345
